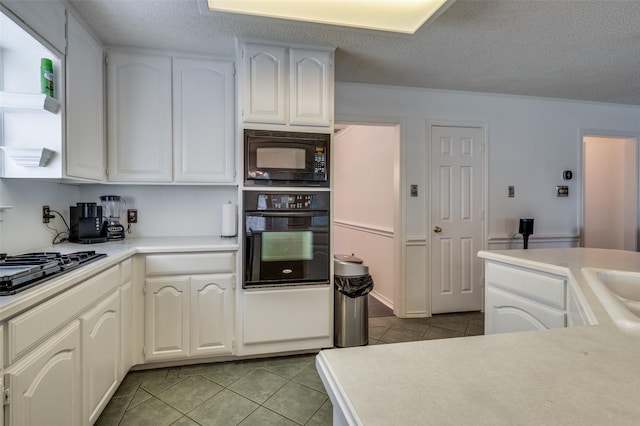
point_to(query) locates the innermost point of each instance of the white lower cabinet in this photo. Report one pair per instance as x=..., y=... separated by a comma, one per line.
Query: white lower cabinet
x=192, y=315
x=100, y=355
x=44, y=388
x=188, y=316
x=286, y=319
x=521, y=299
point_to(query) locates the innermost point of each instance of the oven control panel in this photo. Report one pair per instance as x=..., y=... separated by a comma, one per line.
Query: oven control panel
x=285, y=201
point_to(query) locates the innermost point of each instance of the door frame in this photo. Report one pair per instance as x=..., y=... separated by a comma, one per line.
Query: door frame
x=484, y=192
x=581, y=173
x=400, y=289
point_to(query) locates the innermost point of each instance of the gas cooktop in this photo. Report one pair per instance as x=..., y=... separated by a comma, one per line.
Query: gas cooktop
x=20, y=272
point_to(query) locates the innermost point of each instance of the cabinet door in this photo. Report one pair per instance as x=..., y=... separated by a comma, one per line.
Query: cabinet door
x=203, y=115
x=139, y=119
x=506, y=312
x=45, y=386
x=100, y=328
x=85, y=116
x=166, y=332
x=212, y=314
x=310, y=87
x=265, y=91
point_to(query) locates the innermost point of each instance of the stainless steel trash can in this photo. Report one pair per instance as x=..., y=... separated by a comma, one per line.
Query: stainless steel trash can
x=351, y=301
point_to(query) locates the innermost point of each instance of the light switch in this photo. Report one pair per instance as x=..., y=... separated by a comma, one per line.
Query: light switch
x=512, y=191
x=414, y=190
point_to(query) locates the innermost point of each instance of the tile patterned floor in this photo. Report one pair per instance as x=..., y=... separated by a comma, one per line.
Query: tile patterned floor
x=272, y=391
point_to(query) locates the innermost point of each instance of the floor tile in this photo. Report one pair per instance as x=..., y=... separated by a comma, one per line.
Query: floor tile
x=290, y=366
x=258, y=385
x=265, y=417
x=189, y=392
x=114, y=411
x=377, y=332
x=155, y=381
x=441, y=333
x=324, y=416
x=398, y=335
x=296, y=402
x=138, y=398
x=152, y=412
x=184, y=421
x=225, y=408
x=309, y=377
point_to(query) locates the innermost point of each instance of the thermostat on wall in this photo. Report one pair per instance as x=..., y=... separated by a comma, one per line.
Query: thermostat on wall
x=567, y=174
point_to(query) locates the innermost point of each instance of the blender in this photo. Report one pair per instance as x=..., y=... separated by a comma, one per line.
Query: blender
x=112, y=208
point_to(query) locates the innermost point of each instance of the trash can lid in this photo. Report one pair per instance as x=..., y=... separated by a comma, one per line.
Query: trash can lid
x=350, y=258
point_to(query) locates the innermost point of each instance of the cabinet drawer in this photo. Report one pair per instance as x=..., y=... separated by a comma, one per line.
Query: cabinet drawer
x=546, y=288
x=27, y=329
x=199, y=263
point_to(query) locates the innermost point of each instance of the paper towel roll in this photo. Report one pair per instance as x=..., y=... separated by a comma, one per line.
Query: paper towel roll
x=229, y=220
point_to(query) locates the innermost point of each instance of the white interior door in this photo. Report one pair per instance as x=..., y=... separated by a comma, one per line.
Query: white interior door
x=456, y=220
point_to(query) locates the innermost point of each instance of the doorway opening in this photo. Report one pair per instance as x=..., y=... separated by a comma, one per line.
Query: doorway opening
x=610, y=195
x=366, y=201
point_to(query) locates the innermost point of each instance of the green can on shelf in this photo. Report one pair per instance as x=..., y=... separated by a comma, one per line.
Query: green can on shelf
x=46, y=76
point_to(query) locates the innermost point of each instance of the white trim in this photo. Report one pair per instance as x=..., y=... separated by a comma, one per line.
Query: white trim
x=384, y=232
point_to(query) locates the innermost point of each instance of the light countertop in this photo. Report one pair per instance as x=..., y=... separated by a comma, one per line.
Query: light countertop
x=581, y=375
x=116, y=252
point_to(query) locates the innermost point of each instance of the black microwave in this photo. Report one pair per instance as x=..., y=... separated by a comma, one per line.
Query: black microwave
x=286, y=158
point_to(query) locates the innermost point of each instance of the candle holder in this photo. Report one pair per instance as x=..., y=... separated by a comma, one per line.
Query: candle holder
x=526, y=229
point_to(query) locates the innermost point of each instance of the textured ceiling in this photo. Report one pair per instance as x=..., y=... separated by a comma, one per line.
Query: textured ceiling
x=583, y=50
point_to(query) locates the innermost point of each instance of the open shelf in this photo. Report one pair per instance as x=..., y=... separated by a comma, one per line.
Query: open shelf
x=29, y=157
x=31, y=101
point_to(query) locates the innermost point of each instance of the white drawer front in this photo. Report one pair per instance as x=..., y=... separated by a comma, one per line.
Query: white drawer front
x=190, y=264
x=27, y=329
x=546, y=288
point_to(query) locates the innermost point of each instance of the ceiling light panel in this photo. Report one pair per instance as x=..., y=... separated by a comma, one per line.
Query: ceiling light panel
x=386, y=15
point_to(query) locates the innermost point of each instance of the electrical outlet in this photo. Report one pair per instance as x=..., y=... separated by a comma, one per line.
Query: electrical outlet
x=132, y=216
x=46, y=214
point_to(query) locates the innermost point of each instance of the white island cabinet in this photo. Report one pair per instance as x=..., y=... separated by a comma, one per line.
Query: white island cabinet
x=189, y=301
x=521, y=299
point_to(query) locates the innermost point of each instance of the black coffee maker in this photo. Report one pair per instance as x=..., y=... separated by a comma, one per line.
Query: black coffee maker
x=86, y=223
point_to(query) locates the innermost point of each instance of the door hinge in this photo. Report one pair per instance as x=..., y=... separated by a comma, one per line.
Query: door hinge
x=144, y=288
x=106, y=60
x=5, y=396
x=144, y=351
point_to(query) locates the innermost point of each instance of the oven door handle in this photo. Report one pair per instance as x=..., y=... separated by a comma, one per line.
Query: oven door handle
x=288, y=214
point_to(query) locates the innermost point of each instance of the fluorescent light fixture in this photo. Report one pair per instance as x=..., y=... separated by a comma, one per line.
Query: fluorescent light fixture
x=403, y=16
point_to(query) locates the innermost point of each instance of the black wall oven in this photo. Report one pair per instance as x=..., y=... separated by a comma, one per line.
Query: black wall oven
x=286, y=238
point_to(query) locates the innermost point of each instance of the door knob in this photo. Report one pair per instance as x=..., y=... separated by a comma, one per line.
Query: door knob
x=437, y=229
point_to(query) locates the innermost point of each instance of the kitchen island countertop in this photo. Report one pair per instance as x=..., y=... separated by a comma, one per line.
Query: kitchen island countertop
x=116, y=252
x=586, y=375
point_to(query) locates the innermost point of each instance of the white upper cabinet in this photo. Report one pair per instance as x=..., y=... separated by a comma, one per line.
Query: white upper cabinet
x=85, y=149
x=139, y=111
x=265, y=84
x=170, y=119
x=310, y=87
x=287, y=86
x=203, y=117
